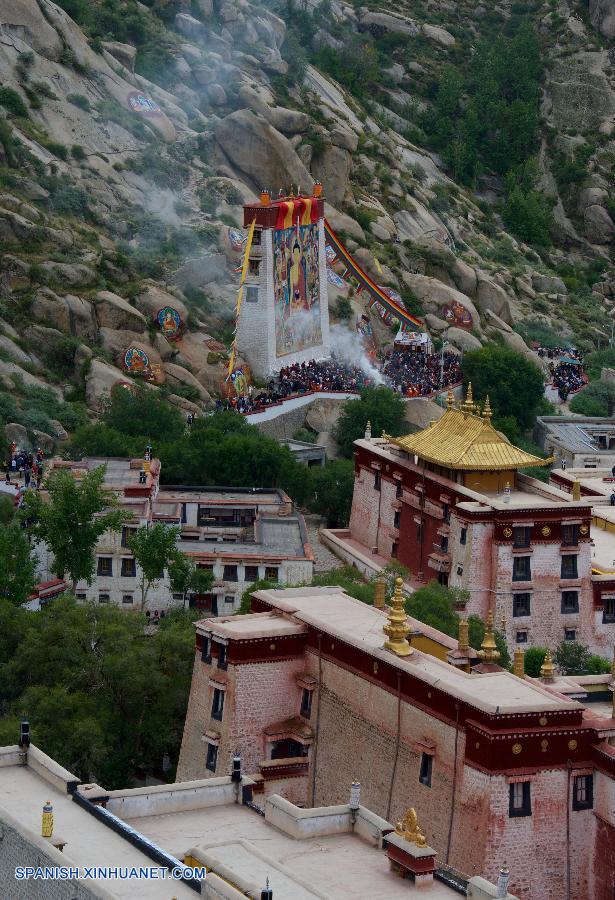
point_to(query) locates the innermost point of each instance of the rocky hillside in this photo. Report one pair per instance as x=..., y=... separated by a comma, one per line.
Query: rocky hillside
x=467, y=153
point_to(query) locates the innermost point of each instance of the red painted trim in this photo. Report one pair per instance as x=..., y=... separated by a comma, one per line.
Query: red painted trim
x=420, y=865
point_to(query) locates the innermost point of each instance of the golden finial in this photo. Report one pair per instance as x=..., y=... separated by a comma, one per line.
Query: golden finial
x=409, y=829
x=397, y=629
x=380, y=586
x=519, y=663
x=503, y=624
x=450, y=399
x=487, y=412
x=468, y=406
x=464, y=636
x=547, y=669
x=368, y=431
x=47, y=820
x=576, y=489
x=488, y=649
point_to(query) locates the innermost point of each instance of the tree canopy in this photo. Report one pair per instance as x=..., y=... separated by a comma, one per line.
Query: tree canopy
x=597, y=399
x=103, y=698
x=17, y=566
x=514, y=383
x=154, y=548
x=381, y=406
x=73, y=519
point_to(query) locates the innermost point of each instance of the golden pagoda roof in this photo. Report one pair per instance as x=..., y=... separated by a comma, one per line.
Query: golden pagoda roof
x=465, y=440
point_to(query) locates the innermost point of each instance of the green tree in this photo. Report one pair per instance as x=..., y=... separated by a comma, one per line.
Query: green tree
x=533, y=659
x=515, y=385
x=186, y=577
x=433, y=604
x=142, y=412
x=572, y=658
x=75, y=516
x=597, y=399
x=154, y=548
x=381, y=406
x=103, y=698
x=17, y=567
x=332, y=487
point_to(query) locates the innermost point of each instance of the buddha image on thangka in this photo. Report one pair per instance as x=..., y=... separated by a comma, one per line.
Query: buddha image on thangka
x=297, y=289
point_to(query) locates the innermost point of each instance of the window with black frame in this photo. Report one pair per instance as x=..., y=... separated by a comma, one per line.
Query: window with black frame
x=522, y=568
x=583, y=792
x=569, y=565
x=520, y=799
x=570, y=602
x=521, y=605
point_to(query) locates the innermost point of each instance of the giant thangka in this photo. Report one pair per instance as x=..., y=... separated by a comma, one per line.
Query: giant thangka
x=284, y=317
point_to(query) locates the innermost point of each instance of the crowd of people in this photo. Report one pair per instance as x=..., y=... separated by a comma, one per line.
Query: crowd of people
x=412, y=373
x=24, y=468
x=300, y=378
x=565, y=369
x=417, y=374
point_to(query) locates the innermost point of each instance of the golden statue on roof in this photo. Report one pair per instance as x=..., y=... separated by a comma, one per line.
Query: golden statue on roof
x=489, y=652
x=396, y=628
x=409, y=829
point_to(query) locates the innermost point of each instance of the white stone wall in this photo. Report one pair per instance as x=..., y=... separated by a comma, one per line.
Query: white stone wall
x=256, y=326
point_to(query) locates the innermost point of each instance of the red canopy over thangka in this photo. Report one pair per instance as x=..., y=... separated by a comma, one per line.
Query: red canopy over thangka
x=284, y=213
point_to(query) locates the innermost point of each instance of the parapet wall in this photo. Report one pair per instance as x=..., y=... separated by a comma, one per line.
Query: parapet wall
x=21, y=847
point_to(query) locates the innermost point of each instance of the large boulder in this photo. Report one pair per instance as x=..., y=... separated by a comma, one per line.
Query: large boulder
x=602, y=16
x=177, y=375
x=380, y=23
x=341, y=222
x=70, y=314
x=125, y=54
x=25, y=20
x=99, y=382
x=491, y=296
x=260, y=152
x=112, y=311
x=117, y=342
x=289, y=121
x=599, y=226
x=332, y=167
x=418, y=223
x=462, y=339
x=17, y=434
x=435, y=295
x=464, y=277
x=202, y=270
x=69, y=273
x=11, y=349
x=548, y=284
x=438, y=35
x=154, y=298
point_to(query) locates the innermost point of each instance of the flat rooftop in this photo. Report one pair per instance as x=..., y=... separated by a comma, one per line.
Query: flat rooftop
x=334, y=866
x=275, y=538
x=88, y=842
x=252, y=625
x=221, y=496
x=336, y=613
x=579, y=435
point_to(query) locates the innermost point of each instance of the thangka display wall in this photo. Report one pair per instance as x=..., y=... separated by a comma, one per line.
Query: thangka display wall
x=296, y=284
